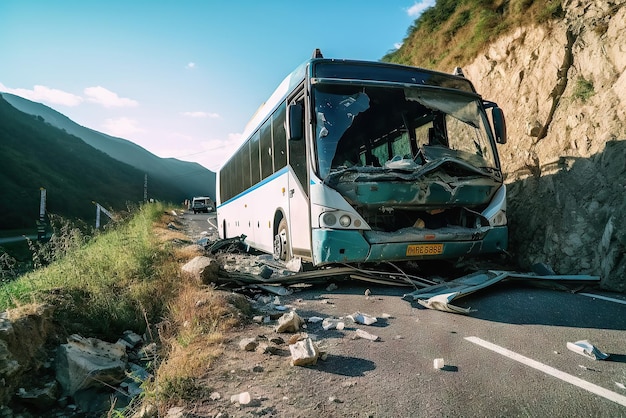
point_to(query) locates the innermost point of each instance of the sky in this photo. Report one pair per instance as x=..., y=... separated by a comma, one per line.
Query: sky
x=181, y=78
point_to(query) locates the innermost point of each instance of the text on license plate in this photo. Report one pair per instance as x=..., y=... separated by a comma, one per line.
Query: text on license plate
x=424, y=249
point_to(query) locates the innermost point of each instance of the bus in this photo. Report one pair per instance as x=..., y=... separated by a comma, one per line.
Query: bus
x=366, y=162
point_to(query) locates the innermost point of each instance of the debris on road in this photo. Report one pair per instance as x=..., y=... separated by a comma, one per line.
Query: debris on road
x=332, y=323
x=366, y=335
x=587, y=349
x=363, y=319
x=289, y=322
x=620, y=385
x=442, y=303
x=304, y=353
x=439, y=364
x=440, y=295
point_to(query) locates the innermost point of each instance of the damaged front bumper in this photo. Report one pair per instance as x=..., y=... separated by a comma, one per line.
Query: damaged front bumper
x=351, y=246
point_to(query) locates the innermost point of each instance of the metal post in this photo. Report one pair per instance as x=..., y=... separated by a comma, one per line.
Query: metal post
x=41, y=222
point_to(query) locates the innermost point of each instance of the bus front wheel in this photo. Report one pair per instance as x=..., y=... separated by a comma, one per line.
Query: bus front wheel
x=281, y=241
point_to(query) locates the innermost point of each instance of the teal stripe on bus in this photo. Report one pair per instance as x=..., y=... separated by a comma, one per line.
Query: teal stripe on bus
x=277, y=174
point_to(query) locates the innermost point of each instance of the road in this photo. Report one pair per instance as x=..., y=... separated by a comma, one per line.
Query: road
x=506, y=358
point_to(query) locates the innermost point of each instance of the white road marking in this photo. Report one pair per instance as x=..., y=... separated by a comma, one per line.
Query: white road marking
x=591, y=295
x=583, y=384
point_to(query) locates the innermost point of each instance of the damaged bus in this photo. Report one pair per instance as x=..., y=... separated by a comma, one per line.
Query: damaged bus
x=359, y=162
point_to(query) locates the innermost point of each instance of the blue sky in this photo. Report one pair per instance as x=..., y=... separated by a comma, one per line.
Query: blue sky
x=181, y=78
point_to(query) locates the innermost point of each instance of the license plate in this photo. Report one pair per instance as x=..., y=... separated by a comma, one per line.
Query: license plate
x=424, y=249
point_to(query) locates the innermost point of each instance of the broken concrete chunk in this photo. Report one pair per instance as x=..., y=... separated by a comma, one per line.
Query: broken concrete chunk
x=248, y=344
x=304, y=353
x=438, y=363
x=361, y=318
x=241, y=398
x=366, y=335
x=332, y=323
x=289, y=322
x=587, y=349
x=88, y=362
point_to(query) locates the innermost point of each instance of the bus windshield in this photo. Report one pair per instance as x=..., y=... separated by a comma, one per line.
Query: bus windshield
x=399, y=128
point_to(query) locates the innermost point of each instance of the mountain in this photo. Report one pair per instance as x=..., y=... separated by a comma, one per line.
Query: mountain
x=191, y=179
x=43, y=148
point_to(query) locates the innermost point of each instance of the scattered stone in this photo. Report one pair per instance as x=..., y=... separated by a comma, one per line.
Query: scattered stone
x=241, y=398
x=257, y=368
x=132, y=338
x=248, y=344
x=289, y=322
x=332, y=323
x=366, y=335
x=297, y=337
x=348, y=384
x=203, y=268
x=368, y=293
x=331, y=287
x=215, y=396
x=304, y=353
x=333, y=399
x=315, y=319
x=438, y=363
x=361, y=318
x=277, y=340
x=258, y=319
x=386, y=316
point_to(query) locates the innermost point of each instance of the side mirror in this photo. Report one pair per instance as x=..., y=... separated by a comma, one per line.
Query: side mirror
x=499, y=125
x=294, y=122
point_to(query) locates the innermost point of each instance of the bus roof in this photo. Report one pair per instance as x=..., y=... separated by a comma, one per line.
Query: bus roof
x=353, y=70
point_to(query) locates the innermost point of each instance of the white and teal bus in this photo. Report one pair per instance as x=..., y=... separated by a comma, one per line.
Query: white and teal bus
x=365, y=162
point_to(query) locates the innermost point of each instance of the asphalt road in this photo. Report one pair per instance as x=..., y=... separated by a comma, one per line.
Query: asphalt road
x=506, y=358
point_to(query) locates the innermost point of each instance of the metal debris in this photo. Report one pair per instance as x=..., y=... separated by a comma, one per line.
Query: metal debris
x=439, y=296
x=587, y=349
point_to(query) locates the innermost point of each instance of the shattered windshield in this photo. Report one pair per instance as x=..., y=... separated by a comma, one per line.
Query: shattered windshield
x=398, y=128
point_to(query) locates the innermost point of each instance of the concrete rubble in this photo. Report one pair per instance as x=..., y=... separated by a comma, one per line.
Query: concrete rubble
x=304, y=352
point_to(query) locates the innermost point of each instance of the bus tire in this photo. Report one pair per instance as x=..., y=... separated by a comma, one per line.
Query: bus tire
x=281, y=242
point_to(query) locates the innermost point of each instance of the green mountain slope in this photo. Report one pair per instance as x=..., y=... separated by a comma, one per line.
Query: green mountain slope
x=35, y=154
x=191, y=179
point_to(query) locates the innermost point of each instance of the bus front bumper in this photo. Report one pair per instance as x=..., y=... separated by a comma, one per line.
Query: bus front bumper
x=349, y=246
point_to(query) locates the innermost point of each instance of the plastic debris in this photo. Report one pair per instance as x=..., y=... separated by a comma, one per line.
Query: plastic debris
x=361, y=318
x=587, y=349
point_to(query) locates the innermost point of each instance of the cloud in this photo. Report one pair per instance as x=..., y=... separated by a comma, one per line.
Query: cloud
x=397, y=45
x=190, y=65
x=121, y=127
x=418, y=7
x=46, y=95
x=107, y=98
x=201, y=115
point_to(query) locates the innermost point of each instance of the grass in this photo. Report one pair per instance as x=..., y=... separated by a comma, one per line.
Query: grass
x=453, y=33
x=583, y=89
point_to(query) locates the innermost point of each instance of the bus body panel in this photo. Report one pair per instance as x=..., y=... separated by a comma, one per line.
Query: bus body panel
x=299, y=218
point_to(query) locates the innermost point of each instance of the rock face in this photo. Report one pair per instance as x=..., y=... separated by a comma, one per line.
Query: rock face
x=563, y=89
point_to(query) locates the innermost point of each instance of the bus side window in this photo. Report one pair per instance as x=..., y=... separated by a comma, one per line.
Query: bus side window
x=279, y=137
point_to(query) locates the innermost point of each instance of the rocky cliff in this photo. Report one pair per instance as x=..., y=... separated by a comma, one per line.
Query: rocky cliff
x=563, y=89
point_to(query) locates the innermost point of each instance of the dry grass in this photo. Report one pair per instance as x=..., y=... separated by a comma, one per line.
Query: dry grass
x=192, y=335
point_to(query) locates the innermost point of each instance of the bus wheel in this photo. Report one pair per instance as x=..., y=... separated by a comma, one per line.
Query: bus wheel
x=281, y=242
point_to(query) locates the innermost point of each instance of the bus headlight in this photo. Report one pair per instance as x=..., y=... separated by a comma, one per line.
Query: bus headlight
x=499, y=219
x=329, y=219
x=345, y=221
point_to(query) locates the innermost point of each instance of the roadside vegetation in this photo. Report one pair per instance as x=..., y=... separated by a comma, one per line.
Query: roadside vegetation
x=129, y=278
x=452, y=33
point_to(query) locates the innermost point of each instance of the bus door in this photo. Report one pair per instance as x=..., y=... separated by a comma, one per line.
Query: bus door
x=299, y=205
